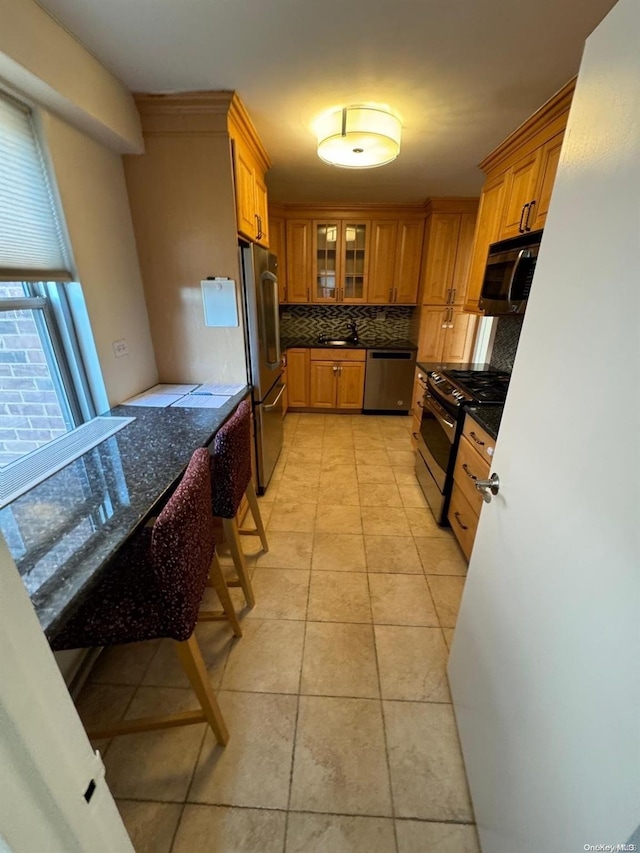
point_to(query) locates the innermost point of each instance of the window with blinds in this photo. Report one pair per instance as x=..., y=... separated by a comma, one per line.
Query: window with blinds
x=43, y=386
x=32, y=247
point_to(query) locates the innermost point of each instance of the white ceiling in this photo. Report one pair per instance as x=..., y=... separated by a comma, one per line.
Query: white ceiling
x=461, y=74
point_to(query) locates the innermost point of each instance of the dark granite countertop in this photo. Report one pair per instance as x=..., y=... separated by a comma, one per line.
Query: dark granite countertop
x=429, y=366
x=488, y=417
x=63, y=532
x=363, y=343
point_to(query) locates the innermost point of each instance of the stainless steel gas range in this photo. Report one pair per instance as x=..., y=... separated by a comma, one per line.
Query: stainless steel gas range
x=446, y=394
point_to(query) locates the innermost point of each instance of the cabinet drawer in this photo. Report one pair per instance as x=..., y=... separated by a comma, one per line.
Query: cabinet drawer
x=470, y=466
x=337, y=354
x=464, y=521
x=479, y=439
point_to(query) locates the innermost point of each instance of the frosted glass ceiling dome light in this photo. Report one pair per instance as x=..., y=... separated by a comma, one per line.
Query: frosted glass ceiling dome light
x=359, y=137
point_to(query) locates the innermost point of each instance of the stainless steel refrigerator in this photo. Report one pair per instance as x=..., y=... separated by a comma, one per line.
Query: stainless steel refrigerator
x=264, y=360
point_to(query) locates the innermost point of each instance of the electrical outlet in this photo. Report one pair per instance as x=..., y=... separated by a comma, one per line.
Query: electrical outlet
x=381, y=316
x=286, y=315
x=120, y=348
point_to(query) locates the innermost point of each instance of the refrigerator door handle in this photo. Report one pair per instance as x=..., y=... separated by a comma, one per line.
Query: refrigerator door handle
x=271, y=318
x=274, y=405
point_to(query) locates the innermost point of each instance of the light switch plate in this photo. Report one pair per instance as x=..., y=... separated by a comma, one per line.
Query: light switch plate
x=120, y=348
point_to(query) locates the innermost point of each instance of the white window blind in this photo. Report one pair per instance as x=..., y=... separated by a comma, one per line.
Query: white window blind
x=32, y=246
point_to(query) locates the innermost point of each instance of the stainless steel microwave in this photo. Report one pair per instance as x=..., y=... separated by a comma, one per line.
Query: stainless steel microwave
x=508, y=275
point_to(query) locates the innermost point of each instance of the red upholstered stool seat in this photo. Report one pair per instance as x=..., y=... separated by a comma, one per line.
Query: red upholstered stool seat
x=231, y=479
x=153, y=588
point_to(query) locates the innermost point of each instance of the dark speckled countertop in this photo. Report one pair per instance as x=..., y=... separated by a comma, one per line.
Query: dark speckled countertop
x=63, y=532
x=488, y=417
x=364, y=343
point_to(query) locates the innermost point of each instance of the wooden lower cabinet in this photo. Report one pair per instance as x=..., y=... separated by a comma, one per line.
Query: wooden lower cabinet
x=298, y=375
x=319, y=380
x=336, y=384
x=473, y=462
x=463, y=520
x=350, y=392
x=285, y=393
x=323, y=380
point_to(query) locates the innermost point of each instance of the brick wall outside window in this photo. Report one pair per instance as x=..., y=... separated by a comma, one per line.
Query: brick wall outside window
x=30, y=412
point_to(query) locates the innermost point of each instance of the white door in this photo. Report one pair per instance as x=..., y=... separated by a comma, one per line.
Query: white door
x=545, y=665
x=53, y=795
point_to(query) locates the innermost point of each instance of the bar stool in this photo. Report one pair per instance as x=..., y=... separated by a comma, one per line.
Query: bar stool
x=153, y=589
x=230, y=480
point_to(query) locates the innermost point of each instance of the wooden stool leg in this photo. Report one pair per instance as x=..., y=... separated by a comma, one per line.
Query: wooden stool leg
x=193, y=665
x=254, y=506
x=231, y=534
x=217, y=581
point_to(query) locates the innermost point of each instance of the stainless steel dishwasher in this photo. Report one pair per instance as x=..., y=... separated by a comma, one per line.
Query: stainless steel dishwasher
x=388, y=382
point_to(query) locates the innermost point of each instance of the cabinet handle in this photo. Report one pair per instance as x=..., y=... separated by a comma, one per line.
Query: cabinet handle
x=527, y=227
x=335, y=368
x=453, y=295
x=395, y=294
x=466, y=470
x=308, y=295
x=456, y=515
x=258, y=235
x=390, y=294
x=476, y=439
x=525, y=208
x=415, y=435
x=448, y=302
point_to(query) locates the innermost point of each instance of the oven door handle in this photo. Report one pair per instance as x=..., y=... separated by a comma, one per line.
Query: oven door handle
x=522, y=254
x=439, y=412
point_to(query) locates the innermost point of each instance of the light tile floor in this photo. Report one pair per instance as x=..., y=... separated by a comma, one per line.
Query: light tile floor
x=343, y=738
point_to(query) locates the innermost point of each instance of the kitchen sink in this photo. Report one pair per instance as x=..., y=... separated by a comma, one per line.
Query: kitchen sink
x=336, y=342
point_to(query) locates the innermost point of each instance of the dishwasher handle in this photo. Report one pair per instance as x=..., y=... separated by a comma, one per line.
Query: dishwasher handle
x=391, y=354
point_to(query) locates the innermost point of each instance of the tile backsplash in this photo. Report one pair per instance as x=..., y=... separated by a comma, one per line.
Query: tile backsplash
x=379, y=323
x=505, y=342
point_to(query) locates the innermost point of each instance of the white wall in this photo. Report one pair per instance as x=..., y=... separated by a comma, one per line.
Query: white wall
x=40, y=59
x=90, y=181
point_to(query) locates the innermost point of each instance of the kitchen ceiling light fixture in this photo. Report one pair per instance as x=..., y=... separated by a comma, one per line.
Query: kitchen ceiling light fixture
x=359, y=137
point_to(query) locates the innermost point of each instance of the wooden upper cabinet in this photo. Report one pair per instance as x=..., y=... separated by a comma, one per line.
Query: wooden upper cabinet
x=340, y=261
x=408, y=261
x=447, y=334
x=394, y=263
x=520, y=176
x=432, y=329
x=549, y=159
x=245, y=189
x=251, y=190
x=336, y=258
x=277, y=247
x=299, y=240
x=521, y=181
x=487, y=232
x=382, y=266
x=443, y=230
x=459, y=337
x=261, y=207
x=463, y=257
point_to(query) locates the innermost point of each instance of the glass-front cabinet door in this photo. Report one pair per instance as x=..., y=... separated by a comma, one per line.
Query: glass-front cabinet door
x=341, y=256
x=326, y=261
x=354, y=274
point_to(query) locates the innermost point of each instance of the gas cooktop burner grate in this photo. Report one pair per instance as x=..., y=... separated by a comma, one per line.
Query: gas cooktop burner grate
x=483, y=386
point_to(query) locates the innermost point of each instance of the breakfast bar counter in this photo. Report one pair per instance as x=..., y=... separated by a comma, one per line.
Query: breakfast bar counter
x=63, y=532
